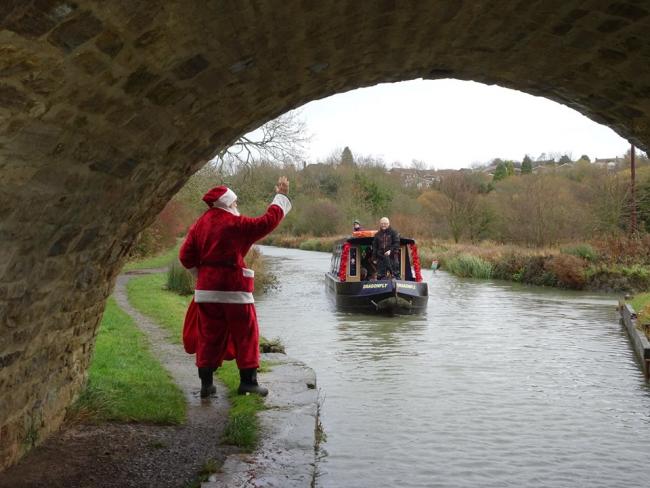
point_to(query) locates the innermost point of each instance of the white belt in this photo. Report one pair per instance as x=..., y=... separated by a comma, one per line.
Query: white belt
x=216, y=296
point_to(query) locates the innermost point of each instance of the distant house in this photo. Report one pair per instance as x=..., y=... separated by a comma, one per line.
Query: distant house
x=316, y=166
x=419, y=179
x=610, y=163
x=490, y=169
x=543, y=166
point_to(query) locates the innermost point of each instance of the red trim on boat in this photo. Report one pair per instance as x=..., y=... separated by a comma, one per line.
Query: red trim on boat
x=416, y=262
x=343, y=267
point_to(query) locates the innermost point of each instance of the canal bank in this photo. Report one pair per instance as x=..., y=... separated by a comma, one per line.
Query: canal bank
x=288, y=423
x=638, y=338
x=286, y=456
x=572, y=267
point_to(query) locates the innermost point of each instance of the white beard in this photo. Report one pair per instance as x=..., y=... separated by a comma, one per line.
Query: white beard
x=231, y=210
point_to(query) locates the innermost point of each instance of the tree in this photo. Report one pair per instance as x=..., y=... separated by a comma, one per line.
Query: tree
x=540, y=210
x=584, y=157
x=641, y=159
x=371, y=194
x=526, y=165
x=434, y=206
x=464, y=209
x=318, y=217
x=609, y=200
x=418, y=165
x=368, y=161
x=346, y=157
x=279, y=140
x=565, y=159
x=501, y=171
x=329, y=183
x=644, y=205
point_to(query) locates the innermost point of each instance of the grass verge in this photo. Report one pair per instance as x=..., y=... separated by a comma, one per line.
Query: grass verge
x=126, y=383
x=148, y=295
x=641, y=304
x=158, y=261
x=468, y=266
x=243, y=426
x=306, y=243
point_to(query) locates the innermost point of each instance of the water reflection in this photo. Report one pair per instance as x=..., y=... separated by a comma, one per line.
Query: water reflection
x=376, y=338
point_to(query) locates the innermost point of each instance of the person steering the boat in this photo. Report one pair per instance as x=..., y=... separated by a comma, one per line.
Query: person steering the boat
x=385, y=250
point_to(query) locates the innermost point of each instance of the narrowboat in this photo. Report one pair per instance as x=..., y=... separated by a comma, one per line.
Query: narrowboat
x=354, y=289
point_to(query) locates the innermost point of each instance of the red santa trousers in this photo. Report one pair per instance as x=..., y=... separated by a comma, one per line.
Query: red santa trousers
x=227, y=331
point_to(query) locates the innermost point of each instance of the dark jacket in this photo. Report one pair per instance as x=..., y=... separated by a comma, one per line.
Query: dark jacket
x=383, y=241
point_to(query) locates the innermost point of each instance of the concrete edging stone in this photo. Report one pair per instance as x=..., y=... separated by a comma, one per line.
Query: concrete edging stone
x=638, y=338
x=286, y=456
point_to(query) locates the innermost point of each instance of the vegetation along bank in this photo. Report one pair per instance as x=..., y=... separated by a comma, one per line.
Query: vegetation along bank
x=616, y=264
x=549, y=220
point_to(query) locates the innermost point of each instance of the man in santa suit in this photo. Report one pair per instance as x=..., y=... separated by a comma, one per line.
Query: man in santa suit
x=214, y=251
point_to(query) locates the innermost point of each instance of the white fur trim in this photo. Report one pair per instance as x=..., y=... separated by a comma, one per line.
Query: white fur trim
x=230, y=210
x=248, y=273
x=216, y=296
x=228, y=198
x=283, y=202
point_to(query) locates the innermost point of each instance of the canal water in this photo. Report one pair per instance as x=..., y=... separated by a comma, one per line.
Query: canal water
x=497, y=385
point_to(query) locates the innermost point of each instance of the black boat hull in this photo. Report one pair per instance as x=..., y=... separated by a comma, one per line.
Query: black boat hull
x=381, y=296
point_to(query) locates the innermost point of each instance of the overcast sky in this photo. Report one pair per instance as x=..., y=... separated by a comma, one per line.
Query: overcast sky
x=452, y=124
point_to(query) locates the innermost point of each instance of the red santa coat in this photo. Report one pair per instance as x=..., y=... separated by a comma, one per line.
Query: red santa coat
x=221, y=322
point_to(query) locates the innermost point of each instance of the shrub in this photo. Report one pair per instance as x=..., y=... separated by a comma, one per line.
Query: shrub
x=163, y=232
x=618, y=278
x=510, y=266
x=468, y=266
x=584, y=251
x=535, y=273
x=319, y=244
x=569, y=271
x=638, y=276
x=179, y=279
x=318, y=218
x=607, y=279
x=426, y=256
x=264, y=279
x=282, y=240
x=148, y=243
x=625, y=250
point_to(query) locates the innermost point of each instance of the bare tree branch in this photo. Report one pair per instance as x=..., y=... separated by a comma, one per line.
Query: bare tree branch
x=278, y=141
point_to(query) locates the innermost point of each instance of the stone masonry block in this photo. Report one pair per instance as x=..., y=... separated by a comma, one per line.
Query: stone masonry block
x=73, y=33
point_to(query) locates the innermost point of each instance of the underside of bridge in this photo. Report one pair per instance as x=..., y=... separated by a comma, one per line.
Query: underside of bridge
x=106, y=108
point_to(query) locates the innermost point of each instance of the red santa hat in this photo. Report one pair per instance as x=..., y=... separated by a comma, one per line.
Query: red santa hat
x=222, y=196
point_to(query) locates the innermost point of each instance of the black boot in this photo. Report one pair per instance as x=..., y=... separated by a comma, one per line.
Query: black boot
x=207, y=384
x=248, y=383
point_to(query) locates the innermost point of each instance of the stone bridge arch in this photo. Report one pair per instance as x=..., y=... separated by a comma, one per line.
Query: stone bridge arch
x=106, y=108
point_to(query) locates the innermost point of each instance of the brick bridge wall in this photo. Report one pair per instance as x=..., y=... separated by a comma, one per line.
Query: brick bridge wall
x=107, y=107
